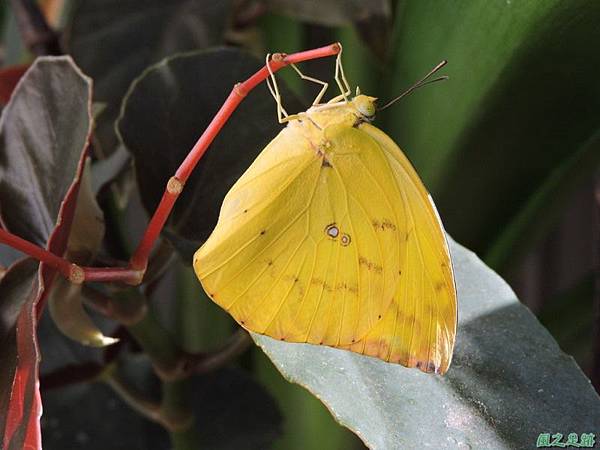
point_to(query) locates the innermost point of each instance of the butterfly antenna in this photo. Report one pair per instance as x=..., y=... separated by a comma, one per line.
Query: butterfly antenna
x=422, y=82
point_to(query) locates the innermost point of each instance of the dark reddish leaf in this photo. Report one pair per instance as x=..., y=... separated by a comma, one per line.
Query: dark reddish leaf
x=20, y=396
x=164, y=113
x=44, y=132
x=9, y=77
x=101, y=40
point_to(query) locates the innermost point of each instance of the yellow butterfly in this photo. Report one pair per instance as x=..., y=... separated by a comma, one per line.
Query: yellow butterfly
x=331, y=238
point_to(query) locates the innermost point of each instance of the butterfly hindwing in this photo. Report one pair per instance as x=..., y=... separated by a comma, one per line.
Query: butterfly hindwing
x=419, y=328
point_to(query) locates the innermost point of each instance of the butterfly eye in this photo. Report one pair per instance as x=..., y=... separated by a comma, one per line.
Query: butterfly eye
x=365, y=105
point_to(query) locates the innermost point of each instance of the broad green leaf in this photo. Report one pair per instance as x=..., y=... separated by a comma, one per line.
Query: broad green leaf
x=184, y=93
x=509, y=380
x=521, y=99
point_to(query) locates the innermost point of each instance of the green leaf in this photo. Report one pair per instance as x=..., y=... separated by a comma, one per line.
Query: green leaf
x=313, y=427
x=569, y=317
x=509, y=380
x=115, y=40
x=540, y=211
x=184, y=93
x=521, y=99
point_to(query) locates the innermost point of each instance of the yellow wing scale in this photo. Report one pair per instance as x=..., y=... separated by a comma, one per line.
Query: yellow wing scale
x=330, y=238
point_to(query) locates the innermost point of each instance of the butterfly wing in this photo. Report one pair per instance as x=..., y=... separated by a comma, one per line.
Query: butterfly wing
x=295, y=254
x=419, y=328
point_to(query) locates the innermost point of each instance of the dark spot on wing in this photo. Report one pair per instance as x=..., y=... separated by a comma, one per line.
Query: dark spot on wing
x=371, y=266
x=262, y=232
x=332, y=231
x=345, y=240
x=383, y=225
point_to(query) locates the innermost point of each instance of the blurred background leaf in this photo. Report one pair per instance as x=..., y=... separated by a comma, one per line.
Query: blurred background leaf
x=521, y=100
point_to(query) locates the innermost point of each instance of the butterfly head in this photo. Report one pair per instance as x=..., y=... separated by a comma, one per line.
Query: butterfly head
x=365, y=106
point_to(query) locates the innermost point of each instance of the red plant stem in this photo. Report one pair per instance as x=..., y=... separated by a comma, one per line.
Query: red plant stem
x=240, y=90
x=104, y=274
x=35, y=251
x=134, y=272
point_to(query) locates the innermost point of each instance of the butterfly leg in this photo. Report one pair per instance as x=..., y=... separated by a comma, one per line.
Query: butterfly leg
x=321, y=93
x=282, y=115
x=341, y=81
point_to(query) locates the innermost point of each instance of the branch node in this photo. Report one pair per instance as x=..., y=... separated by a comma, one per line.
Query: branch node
x=137, y=277
x=278, y=57
x=174, y=186
x=239, y=90
x=76, y=274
